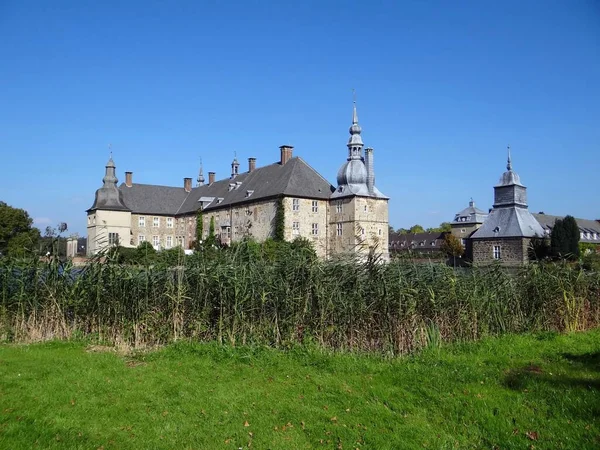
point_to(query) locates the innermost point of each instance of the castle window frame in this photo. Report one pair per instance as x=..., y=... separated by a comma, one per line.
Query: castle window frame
x=295, y=204
x=315, y=206
x=366, y=208
x=295, y=228
x=169, y=242
x=315, y=229
x=156, y=241
x=339, y=229
x=141, y=238
x=339, y=206
x=141, y=221
x=169, y=222
x=156, y=222
x=113, y=239
x=497, y=252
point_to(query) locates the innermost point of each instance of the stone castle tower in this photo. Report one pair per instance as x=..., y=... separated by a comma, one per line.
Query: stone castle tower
x=359, y=211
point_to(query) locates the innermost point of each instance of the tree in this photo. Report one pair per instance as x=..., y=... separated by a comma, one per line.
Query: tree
x=564, y=240
x=443, y=228
x=199, y=228
x=416, y=229
x=452, y=247
x=279, y=234
x=17, y=235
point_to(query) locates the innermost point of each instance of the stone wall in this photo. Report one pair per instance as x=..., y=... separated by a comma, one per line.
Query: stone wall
x=364, y=226
x=101, y=223
x=166, y=228
x=513, y=251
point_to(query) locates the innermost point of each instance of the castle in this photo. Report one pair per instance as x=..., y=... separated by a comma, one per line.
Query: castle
x=351, y=218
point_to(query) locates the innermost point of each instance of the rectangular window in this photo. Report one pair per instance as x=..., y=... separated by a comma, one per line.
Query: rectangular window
x=155, y=242
x=141, y=238
x=315, y=206
x=295, y=204
x=295, y=228
x=169, y=222
x=113, y=238
x=497, y=254
x=366, y=208
x=156, y=222
x=315, y=229
x=339, y=229
x=338, y=206
x=142, y=221
x=169, y=242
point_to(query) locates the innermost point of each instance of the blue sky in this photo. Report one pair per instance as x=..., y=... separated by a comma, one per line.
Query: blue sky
x=442, y=88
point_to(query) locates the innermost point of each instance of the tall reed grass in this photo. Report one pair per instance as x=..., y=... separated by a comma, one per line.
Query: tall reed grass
x=241, y=297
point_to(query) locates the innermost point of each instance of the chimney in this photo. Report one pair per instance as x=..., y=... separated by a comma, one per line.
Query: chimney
x=187, y=184
x=128, y=179
x=211, y=177
x=370, y=170
x=251, y=164
x=286, y=153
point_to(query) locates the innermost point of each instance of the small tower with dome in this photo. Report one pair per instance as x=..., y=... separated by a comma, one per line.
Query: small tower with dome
x=108, y=219
x=506, y=233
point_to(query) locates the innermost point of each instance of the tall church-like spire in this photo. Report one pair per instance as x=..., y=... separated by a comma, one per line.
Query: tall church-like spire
x=200, y=179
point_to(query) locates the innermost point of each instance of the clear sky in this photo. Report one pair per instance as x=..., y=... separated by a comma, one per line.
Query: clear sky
x=442, y=88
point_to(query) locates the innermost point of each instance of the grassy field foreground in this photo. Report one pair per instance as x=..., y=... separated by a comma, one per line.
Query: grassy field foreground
x=539, y=391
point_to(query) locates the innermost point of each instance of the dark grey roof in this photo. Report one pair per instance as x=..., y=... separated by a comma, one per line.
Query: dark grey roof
x=509, y=222
x=153, y=199
x=293, y=179
x=416, y=241
x=109, y=197
x=471, y=214
x=585, y=226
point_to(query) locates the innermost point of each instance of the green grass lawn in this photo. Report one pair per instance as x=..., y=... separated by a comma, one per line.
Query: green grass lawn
x=514, y=392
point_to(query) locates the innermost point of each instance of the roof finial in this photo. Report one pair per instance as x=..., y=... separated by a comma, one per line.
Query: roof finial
x=508, y=161
x=200, y=178
x=110, y=150
x=354, y=114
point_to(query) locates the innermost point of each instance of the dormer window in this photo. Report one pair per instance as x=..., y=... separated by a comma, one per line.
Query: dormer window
x=249, y=193
x=219, y=200
x=231, y=186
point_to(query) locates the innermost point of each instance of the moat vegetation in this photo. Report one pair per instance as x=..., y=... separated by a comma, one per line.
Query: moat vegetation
x=280, y=294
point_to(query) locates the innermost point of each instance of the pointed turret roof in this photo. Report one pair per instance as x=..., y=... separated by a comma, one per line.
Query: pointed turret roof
x=109, y=197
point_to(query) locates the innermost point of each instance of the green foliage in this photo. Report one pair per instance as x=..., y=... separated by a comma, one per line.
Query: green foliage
x=280, y=294
x=452, y=246
x=145, y=254
x=444, y=227
x=199, y=229
x=416, y=229
x=279, y=228
x=564, y=240
x=17, y=236
x=499, y=393
x=539, y=249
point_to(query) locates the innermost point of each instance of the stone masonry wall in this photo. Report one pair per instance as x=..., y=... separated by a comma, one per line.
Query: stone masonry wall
x=164, y=230
x=513, y=251
x=364, y=223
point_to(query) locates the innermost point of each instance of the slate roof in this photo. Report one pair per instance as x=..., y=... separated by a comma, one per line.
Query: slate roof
x=588, y=227
x=509, y=222
x=422, y=242
x=470, y=214
x=293, y=179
